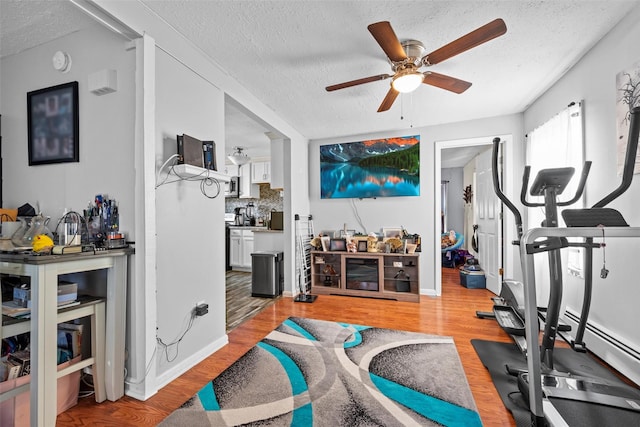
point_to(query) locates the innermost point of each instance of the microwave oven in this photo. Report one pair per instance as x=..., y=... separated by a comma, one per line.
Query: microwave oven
x=232, y=188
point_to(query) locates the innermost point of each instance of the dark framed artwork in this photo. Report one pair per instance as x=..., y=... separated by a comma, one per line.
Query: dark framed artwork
x=53, y=126
x=362, y=246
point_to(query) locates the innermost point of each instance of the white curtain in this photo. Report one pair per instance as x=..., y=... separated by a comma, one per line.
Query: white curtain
x=557, y=143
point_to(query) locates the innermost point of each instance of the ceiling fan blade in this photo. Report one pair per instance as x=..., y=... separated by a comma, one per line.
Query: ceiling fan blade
x=357, y=82
x=387, y=102
x=445, y=82
x=388, y=41
x=475, y=38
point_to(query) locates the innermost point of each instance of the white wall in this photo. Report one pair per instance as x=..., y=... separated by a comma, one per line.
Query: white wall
x=141, y=20
x=190, y=226
x=415, y=214
x=190, y=253
x=593, y=80
x=106, y=128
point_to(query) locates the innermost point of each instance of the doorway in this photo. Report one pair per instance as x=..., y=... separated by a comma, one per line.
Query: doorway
x=465, y=150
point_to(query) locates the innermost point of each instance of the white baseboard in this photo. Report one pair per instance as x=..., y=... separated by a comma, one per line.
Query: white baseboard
x=190, y=362
x=428, y=292
x=610, y=347
x=131, y=392
x=180, y=368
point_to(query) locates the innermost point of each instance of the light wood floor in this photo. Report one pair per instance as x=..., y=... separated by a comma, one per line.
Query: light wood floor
x=453, y=314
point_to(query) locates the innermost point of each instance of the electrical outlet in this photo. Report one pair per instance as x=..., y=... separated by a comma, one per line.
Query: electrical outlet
x=202, y=308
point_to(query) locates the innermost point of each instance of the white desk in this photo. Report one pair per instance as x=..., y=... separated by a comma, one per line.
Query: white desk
x=44, y=272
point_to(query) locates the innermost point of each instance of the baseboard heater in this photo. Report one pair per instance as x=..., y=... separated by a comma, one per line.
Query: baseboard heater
x=621, y=355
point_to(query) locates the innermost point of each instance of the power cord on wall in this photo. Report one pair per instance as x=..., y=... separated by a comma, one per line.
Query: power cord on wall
x=165, y=347
x=147, y=369
x=203, y=177
x=357, y=215
x=176, y=343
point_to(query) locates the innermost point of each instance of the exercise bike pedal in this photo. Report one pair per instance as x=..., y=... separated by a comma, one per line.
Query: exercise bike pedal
x=509, y=320
x=514, y=372
x=562, y=327
x=485, y=314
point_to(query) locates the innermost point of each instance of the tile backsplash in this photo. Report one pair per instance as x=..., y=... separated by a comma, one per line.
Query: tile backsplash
x=270, y=200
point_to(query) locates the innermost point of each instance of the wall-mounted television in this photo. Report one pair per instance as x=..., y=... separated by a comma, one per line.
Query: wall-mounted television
x=385, y=167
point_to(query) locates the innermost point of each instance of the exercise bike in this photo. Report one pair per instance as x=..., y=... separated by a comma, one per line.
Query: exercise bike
x=517, y=314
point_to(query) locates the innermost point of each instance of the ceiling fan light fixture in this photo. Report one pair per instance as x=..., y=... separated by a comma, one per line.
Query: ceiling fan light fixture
x=407, y=81
x=238, y=158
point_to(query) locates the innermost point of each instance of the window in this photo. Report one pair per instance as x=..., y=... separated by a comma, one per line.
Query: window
x=557, y=143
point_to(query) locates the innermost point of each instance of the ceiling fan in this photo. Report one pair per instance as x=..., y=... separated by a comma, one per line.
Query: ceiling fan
x=407, y=57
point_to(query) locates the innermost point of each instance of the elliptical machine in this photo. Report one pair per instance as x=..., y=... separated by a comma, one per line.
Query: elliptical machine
x=513, y=309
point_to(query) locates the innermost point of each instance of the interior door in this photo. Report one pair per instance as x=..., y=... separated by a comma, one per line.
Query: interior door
x=489, y=220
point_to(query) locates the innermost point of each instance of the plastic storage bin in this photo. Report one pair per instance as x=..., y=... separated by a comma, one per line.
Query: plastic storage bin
x=15, y=411
x=474, y=279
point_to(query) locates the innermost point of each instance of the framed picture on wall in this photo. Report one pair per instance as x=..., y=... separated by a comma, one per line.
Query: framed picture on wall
x=53, y=127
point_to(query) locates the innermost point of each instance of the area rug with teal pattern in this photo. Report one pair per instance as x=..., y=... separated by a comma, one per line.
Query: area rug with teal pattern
x=310, y=372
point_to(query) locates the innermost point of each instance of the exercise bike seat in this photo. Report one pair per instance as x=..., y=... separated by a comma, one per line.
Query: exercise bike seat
x=593, y=217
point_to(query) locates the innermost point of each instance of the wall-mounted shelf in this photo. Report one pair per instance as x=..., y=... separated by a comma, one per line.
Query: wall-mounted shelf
x=190, y=172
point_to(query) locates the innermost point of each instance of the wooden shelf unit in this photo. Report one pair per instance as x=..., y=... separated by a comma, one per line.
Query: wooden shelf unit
x=366, y=274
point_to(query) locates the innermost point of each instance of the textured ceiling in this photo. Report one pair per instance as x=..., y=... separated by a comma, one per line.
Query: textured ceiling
x=287, y=52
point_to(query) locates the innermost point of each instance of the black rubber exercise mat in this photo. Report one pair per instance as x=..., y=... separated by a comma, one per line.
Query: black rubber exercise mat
x=496, y=355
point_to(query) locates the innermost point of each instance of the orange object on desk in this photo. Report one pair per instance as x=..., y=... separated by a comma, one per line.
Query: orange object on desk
x=8, y=214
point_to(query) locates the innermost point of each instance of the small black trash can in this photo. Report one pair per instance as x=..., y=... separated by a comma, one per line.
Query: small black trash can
x=267, y=274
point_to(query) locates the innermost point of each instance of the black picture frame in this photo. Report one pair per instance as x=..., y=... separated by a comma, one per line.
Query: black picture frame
x=53, y=125
x=338, y=245
x=362, y=246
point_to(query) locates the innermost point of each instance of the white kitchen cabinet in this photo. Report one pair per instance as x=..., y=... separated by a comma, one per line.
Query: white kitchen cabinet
x=241, y=248
x=248, y=190
x=247, y=248
x=235, y=248
x=261, y=172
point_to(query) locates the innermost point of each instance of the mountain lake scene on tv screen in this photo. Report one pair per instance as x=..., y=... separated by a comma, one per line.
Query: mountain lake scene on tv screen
x=387, y=167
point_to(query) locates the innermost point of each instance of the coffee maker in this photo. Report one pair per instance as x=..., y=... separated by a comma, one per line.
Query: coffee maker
x=250, y=214
x=239, y=216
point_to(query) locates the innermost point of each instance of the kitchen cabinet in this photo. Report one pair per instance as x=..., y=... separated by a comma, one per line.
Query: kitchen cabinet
x=261, y=172
x=248, y=190
x=240, y=248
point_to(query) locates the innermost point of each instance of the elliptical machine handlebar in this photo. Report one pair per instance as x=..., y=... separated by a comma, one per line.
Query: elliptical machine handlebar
x=525, y=184
x=629, y=164
x=499, y=193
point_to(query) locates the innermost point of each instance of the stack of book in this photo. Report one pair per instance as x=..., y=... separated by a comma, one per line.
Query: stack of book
x=69, y=341
x=20, y=306
x=18, y=363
